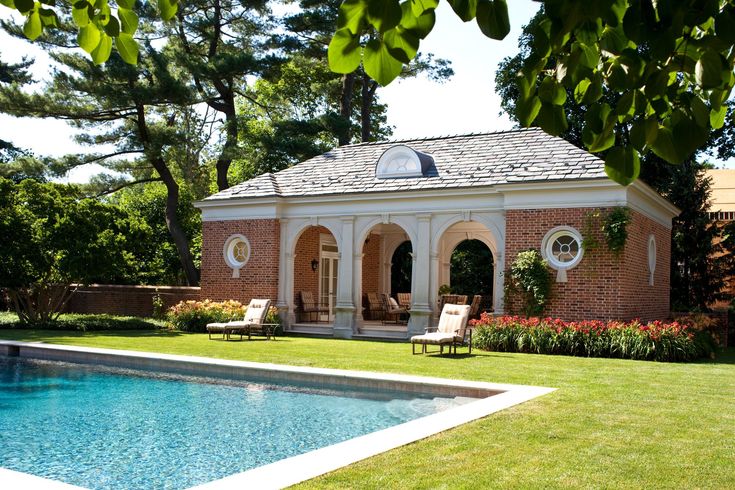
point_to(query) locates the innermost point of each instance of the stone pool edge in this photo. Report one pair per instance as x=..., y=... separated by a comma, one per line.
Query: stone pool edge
x=492, y=397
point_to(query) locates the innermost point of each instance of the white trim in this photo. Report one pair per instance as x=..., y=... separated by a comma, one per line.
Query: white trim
x=548, y=242
x=228, y=255
x=652, y=258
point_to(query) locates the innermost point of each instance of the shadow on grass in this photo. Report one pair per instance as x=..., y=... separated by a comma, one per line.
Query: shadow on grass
x=725, y=356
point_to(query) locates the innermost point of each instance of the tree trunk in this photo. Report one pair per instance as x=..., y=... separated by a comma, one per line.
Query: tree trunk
x=228, y=150
x=368, y=95
x=345, y=108
x=172, y=200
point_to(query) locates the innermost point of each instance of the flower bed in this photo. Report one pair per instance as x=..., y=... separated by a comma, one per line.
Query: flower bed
x=193, y=316
x=657, y=340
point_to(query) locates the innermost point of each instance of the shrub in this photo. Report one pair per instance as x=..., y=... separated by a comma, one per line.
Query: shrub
x=193, y=316
x=655, y=341
x=83, y=323
x=529, y=281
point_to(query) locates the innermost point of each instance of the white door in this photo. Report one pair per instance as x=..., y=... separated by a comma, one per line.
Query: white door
x=328, y=265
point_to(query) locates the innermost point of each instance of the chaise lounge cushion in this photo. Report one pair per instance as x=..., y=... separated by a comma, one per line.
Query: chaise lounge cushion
x=451, y=328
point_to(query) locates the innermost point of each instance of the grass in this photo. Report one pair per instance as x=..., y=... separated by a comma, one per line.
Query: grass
x=611, y=424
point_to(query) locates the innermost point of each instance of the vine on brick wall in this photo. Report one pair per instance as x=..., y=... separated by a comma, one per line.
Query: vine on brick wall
x=591, y=224
x=529, y=281
x=615, y=228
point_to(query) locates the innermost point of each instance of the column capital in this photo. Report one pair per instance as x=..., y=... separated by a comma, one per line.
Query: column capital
x=347, y=219
x=424, y=217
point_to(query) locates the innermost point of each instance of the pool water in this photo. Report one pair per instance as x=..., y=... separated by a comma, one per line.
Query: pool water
x=111, y=428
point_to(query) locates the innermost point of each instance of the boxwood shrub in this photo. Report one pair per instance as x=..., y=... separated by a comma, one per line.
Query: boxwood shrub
x=656, y=341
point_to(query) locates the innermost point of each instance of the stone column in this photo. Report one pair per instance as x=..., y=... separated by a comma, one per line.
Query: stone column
x=344, y=317
x=357, y=291
x=284, y=271
x=499, y=284
x=420, y=306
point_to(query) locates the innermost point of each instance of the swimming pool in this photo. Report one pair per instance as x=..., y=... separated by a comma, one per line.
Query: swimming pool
x=126, y=419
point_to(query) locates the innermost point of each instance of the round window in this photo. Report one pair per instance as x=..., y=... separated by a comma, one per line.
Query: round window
x=236, y=253
x=562, y=249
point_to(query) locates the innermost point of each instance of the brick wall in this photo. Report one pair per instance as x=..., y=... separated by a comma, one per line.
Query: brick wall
x=371, y=264
x=603, y=285
x=638, y=298
x=127, y=300
x=258, y=278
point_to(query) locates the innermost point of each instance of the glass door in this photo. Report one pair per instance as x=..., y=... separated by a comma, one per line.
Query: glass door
x=329, y=265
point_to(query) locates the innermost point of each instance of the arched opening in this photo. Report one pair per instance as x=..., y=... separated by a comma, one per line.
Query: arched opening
x=466, y=252
x=316, y=265
x=386, y=270
x=471, y=269
x=401, y=265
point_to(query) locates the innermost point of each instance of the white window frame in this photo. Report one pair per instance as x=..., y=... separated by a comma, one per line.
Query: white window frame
x=547, y=243
x=228, y=252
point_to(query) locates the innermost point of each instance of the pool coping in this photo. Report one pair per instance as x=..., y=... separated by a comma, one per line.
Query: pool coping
x=492, y=397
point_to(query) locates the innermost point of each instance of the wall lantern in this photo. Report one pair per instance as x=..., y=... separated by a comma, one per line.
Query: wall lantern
x=314, y=265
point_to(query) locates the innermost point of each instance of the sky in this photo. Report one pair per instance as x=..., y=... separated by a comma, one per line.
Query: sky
x=416, y=108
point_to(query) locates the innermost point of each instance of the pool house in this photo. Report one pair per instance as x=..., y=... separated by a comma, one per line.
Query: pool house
x=333, y=226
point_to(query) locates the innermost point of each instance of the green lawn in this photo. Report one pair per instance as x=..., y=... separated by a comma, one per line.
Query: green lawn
x=611, y=424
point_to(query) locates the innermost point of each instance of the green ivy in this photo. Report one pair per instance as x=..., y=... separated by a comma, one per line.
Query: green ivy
x=591, y=223
x=615, y=228
x=529, y=280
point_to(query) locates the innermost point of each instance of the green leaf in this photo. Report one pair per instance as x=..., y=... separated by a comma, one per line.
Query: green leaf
x=24, y=6
x=625, y=108
x=344, y=51
x=551, y=118
x=552, y=92
x=725, y=26
x=384, y=14
x=622, y=165
x=128, y=20
x=664, y=146
x=709, y=70
x=527, y=110
x=352, y=15
x=80, y=13
x=379, y=64
x=126, y=4
x=581, y=90
x=717, y=117
x=8, y=3
x=112, y=28
x=88, y=37
x=101, y=53
x=32, y=27
x=403, y=46
x=465, y=9
x=419, y=7
x=48, y=18
x=127, y=47
x=420, y=25
x=168, y=8
x=492, y=17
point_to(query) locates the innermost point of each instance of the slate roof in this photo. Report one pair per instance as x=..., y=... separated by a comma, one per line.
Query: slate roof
x=517, y=156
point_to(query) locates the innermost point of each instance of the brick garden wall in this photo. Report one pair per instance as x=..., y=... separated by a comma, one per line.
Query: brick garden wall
x=307, y=249
x=258, y=278
x=603, y=285
x=127, y=300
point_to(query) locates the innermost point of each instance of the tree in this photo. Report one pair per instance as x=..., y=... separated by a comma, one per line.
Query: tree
x=698, y=263
x=221, y=43
x=472, y=268
x=309, y=31
x=134, y=108
x=670, y=64
x=60, y=238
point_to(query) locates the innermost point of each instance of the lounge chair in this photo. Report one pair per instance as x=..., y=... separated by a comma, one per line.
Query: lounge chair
x=253, y=321
x=310, y=307
x=452, y=331
x=392, y=309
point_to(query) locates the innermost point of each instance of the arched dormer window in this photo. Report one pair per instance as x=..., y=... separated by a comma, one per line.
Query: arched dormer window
x=402, y=161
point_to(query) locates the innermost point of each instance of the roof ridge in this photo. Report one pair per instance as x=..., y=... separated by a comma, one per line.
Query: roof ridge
x=274, y=183
x=442, y=137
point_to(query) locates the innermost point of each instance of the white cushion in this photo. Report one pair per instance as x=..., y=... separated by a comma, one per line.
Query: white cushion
x=393, y=302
